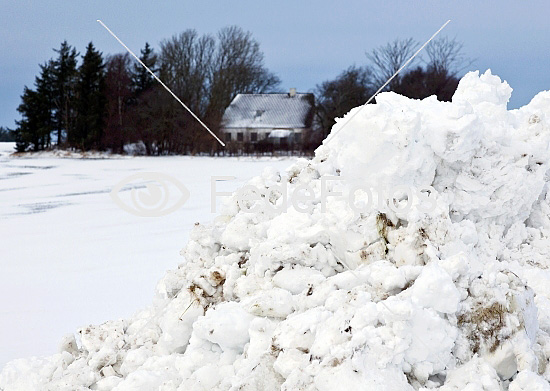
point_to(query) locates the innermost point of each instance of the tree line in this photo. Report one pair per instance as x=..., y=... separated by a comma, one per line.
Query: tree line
x=434, y=74
x=108, y=102
x=6, y=135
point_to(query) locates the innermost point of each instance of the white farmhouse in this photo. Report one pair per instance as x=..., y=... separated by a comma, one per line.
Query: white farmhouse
x=278, y=118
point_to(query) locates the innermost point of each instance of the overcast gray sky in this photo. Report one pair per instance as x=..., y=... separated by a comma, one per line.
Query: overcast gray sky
x=304, y=42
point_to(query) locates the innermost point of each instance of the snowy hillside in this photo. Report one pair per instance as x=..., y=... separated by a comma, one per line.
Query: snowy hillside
x=446, y=288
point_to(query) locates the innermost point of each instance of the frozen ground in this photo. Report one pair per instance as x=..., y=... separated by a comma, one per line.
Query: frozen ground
x=70, y=257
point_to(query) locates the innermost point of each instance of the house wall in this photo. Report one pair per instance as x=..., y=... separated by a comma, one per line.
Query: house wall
x=262, y=133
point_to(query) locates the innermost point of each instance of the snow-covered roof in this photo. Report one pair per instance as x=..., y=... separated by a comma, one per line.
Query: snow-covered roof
x=269, y=111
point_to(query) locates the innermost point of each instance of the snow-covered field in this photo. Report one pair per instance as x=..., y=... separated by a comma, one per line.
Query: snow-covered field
x=71, y=257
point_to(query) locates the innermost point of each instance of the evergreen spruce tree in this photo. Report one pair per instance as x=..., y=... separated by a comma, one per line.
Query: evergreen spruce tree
x=25, y=133
x=90, y=101
x=65, y=75
x=45, y=89
x=141, y=78
x=36, y=108
x=145, y=102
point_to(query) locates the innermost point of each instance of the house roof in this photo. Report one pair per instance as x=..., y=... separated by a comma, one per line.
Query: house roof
x=269, y=111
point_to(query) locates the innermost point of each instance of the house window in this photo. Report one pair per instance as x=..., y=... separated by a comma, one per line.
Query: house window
x=228, y=137
x=297, y=137
x=253, y=137
x=240, y=136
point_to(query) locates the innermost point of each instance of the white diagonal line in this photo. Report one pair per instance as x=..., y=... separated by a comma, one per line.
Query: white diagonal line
x=162, y=84
x=387, y=82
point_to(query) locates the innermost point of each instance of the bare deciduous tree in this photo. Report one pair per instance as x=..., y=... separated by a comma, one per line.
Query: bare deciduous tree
x=446, y=55
x=185, y=66
x=238, y=67
x=185, y=61
x=207, y=73
x=334, y=98
x=118, y=92
x=387, y=59
x=443, y=58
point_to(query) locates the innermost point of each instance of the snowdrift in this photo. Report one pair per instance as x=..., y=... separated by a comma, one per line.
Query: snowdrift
x=445, y=287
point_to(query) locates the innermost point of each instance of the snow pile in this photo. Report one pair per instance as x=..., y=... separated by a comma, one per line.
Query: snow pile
x=328, y=294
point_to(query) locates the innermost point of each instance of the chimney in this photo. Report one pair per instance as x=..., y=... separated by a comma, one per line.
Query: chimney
x=292, y=92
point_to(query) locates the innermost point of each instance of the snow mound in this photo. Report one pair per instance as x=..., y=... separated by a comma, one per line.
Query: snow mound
x=325, y=293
